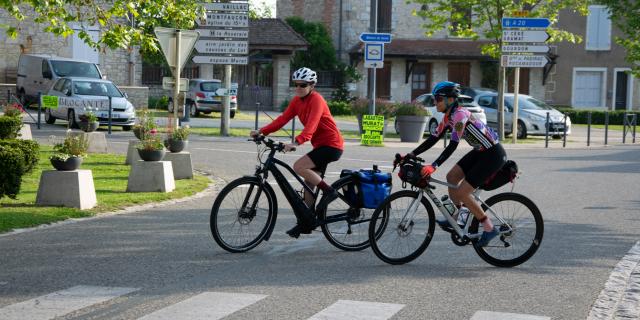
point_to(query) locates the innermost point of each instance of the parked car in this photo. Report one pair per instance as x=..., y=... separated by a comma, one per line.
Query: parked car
x=473, y=92
x=38, y=72
x=532, y=115
x=79, y=95
x=436, y=117
x=202, y=97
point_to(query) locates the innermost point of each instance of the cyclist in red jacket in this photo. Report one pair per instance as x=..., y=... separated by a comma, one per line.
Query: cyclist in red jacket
x=320, y=129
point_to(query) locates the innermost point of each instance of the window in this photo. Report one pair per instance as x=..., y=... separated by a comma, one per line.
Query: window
x=598, y=29
x=588, y=88
x=384, y=15
x=487, y=102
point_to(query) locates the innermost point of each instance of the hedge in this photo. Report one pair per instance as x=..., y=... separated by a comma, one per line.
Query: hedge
x=30, y=150
x=10, y=127
x=12, y=164
x=338, y=108
x=580, y=116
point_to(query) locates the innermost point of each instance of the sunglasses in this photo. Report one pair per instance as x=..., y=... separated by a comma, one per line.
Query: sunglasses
x=439, y=98
x=300, y=85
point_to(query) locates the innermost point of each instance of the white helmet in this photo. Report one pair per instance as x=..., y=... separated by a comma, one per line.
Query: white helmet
x=305, y=74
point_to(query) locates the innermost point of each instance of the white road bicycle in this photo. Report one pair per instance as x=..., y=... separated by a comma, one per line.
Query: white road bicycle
x=408, y=224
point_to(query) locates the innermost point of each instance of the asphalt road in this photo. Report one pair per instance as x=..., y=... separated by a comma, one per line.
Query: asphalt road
x=165, y=255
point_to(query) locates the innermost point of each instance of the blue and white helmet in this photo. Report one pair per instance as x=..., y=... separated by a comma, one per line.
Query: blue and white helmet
x=446, y=89
x=305, y=74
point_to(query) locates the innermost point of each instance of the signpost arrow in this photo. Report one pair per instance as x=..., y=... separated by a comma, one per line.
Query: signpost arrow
x=525, y=48
x=375, y=37
x=542, y=23
x=221, y=46
x=220, y=60
x=524, y=36
x=522, y=61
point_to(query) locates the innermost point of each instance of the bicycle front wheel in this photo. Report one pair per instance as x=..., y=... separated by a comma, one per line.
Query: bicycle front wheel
x=401, y=229
x=517, y=246
x=345, y=222
x=241, y=214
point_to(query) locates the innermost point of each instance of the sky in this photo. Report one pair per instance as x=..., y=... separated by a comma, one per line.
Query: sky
x=270, y=3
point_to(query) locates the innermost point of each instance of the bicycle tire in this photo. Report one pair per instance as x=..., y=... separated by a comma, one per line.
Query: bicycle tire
x=392, y=233
x=351, y=234
x=518, y=211
x=242, y=219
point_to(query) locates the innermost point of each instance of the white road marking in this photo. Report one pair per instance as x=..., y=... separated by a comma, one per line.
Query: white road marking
x=207, y=305
x=620, y=298
x=348, y=309
x=488, y=315
x=61, y=302
x=298, y=245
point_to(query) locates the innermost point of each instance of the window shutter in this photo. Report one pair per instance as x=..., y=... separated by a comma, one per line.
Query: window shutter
x=604, y=29
x=592, y=29
x=598, y=29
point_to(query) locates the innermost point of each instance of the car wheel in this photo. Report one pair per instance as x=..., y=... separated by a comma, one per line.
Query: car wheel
x=170, y=107
x=22, y=98
x=522, y=130
x=48, y=118
x=232, y=114
x=71, y=118
x=193, y=110
x=433, y=126
x=395, y=125
x=127, y=128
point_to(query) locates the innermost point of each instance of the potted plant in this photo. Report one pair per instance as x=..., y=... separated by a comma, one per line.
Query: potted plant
x=360, y=106
x=69, y=154
x=178, y=139
x=411, y=120
x=145, y=123
x=89, y=122
x=151, y=148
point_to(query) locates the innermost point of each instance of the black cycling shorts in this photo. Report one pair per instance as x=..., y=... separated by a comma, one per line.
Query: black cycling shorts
x=322, y=156
x=480, y=165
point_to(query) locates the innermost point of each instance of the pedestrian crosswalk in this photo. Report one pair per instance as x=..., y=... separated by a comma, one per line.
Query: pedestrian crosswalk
x=208, y=305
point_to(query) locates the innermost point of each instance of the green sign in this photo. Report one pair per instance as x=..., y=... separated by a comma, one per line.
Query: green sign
x=50, y=102
x=372, y=127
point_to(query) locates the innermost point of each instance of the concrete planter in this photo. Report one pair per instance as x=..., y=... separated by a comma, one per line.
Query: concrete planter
x=411, y=127
x=151, y=155
x=89, y=126
x=176, y=145
x=70, y=164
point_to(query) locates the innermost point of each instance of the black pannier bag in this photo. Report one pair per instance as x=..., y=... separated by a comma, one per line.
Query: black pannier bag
x=506, y=174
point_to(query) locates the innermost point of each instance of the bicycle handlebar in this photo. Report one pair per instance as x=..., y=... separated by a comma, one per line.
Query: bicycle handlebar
x=271, y=144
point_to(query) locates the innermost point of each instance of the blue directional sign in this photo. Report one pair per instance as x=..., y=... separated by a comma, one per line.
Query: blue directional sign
x=525, y=22
x=375, y=37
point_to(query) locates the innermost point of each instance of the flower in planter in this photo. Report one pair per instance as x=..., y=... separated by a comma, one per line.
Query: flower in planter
x=181, y=133
x=146, y=123
x=88, y=117
x=69, y=154
x=151, y=142
x=14, y=110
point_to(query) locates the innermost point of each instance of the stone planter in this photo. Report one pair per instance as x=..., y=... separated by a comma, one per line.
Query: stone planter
x=70, y=164
x=89, y=126
x=176, y=145
x=151, y=155
x=411, y=127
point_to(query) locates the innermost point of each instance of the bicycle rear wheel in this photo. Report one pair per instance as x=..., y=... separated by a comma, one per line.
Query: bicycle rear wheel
x=516, y=247
x=403, y=235
x=346, y=224
x=242, y=214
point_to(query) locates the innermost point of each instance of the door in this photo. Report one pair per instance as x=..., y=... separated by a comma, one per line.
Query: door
x=459, y=72
x=383, y=82
x=587, y=91
x=420, y=79
x=524, y=81
x=622, y=81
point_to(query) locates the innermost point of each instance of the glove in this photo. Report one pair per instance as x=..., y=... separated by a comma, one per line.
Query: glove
x=400, y=158
x=427, y=170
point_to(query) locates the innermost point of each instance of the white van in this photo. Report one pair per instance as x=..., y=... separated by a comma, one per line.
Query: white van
x=38, y=72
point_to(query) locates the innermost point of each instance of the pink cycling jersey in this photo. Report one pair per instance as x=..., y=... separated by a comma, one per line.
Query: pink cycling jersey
x=465, y=126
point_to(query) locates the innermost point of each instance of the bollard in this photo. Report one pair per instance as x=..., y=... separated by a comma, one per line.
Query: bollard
x=293, y=130
x=257, y=110
x=624, y=128
x=39, y=108
x=588, y=128
x=564, y=132
x=635, y=122
x=546, y=132
x=606, y=127
x=110, y=111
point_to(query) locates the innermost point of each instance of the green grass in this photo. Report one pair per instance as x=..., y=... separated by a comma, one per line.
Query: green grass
x=240, y=115
x=615, y=127
x=110, y=177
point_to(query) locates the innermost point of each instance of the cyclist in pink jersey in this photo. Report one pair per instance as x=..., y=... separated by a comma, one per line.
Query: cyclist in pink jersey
x=486, y=158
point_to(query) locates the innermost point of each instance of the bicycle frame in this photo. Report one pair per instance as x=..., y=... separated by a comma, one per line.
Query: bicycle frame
x=461, y=232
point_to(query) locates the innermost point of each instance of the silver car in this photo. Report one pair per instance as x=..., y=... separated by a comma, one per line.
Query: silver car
x=532, y=115
x=436, y=117
x=77, y=95
x=202, y=97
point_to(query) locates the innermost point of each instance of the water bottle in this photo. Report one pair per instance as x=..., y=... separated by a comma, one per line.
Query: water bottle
x=448, y=204
x=463, y=214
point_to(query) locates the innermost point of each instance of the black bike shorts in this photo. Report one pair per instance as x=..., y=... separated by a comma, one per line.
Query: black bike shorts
x=322, y=156
x=478, y=166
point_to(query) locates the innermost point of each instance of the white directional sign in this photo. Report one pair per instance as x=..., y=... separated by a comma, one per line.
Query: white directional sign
x=226, y=6
x=524, y=36
x=167, y=39
x=169, y=82
x=223, y=33
x=522, y=61
x=220, y=46
x=225, y=20
x=374, y=64
x=220, y=60
x=521, y=48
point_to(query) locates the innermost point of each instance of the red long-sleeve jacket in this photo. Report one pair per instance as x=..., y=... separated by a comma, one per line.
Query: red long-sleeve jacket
x=319, y=126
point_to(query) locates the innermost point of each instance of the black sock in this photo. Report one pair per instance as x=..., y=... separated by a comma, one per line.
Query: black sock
x=324, y=186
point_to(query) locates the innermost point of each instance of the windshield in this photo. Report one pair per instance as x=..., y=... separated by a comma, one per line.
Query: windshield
x=209, y=86
x=527, y=103
x=75, y=69
x=89, y=88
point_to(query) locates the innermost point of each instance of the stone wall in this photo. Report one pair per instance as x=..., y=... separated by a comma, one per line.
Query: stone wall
x=138, y=96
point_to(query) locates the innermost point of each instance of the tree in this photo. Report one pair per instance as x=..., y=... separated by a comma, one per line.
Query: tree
x=260, y=11
x=477, y=19
x=124, y=23
x=624, y=14
x=321, y=54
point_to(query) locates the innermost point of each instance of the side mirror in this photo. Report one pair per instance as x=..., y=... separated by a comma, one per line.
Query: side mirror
x=104, y=77
x=126, y=95
x=67, y=92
